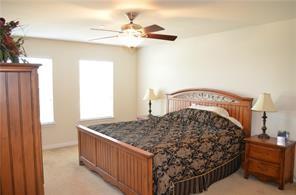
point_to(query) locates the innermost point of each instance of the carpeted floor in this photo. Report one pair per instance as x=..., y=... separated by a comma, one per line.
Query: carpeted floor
x=63, y=176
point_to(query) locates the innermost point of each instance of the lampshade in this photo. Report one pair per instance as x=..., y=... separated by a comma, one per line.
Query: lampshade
x=150, y=95
x=264, y=104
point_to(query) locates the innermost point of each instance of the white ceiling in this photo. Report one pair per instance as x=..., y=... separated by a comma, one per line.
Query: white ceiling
x=72, y=19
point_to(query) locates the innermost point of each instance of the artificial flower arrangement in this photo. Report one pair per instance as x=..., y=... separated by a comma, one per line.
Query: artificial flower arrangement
x=11, y=49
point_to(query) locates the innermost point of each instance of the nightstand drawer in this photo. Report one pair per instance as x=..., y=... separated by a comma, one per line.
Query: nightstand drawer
x=144, y=117
x=264, y=153
x=264, y=168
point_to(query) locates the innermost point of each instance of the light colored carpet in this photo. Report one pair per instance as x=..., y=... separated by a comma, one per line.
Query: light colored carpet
x=63, y=176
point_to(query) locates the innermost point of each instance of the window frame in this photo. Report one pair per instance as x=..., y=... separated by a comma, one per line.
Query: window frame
x=113, y=102
x=53, y=122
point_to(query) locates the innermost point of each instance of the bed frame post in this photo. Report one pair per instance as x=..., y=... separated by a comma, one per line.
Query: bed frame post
x=79, y=149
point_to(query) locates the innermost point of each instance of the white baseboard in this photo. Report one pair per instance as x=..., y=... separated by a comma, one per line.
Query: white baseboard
x=59, y=145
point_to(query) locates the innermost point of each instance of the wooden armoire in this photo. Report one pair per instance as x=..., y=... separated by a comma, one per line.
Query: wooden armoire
x=21, y=170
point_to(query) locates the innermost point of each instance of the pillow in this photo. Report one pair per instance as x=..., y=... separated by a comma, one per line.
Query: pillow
x=218, y=110
x=236, y=122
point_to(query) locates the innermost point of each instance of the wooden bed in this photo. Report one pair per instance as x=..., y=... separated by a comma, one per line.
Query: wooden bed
x=130, y=168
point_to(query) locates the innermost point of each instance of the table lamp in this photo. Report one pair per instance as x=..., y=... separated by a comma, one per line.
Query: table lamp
x=264, y=104
x=150, y=95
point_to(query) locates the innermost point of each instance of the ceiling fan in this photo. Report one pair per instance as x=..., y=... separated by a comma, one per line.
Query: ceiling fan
x=136, y=32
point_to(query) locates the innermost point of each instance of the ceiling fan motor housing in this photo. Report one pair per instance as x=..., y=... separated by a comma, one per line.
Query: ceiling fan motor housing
x=130, y=26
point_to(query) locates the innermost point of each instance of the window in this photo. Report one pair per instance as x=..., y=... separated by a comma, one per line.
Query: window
x=45, y=89
x=96, y=89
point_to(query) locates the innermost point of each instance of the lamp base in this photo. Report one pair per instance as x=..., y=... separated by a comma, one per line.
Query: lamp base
x=150, y=107
x=264, y=128
x=263, y=136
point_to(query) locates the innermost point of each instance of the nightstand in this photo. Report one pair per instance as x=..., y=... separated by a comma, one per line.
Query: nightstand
x=267, y=160
x=143, y=117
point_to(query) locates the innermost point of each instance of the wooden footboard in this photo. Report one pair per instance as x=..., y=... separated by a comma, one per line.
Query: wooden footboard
x=125, y=166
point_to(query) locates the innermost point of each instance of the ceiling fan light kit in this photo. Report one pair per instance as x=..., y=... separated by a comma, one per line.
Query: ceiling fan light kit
x=131, y=38
x=132, y=34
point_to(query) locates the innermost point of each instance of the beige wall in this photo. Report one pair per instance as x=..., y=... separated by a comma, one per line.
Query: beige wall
x=245, y=61
x=65, y=57
x=293, y=119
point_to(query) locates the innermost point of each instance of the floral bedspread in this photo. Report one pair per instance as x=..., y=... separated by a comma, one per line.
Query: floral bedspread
x=185, y=143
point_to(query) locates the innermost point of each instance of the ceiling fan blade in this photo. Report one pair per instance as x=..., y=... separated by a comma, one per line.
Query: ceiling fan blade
x=100, y=38
x=152, y=28
x=162, y=37
x=101, y=29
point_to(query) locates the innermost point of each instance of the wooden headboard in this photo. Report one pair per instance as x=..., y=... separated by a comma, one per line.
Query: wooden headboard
x=237, y=106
